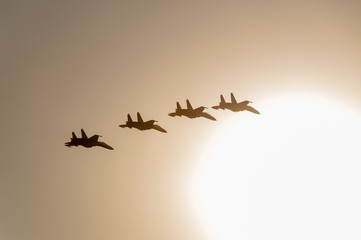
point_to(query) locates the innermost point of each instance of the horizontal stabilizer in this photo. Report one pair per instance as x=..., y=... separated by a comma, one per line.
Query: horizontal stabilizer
x=216, y=107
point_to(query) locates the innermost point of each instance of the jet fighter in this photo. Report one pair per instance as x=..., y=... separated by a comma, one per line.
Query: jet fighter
x=86, y=142
x=190, y=112
x=234, y=106
x=141, y=125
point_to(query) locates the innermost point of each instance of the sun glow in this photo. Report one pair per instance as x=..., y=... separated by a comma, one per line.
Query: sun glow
x=292, y=172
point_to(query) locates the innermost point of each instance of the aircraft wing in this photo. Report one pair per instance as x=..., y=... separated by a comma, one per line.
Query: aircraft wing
x=159, y=128
x=251, y=109
x=104, y=145
x=210, y=117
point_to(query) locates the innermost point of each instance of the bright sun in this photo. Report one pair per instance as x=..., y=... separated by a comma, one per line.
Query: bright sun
x=293, y=172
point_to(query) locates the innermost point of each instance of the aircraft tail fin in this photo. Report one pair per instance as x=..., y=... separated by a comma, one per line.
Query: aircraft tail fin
x=83, y=135
x=233, y=99
x=189, y=106
x=178, y=106
x=140, y=119
x=222, y=99
x=129, y=118
x=73, y=135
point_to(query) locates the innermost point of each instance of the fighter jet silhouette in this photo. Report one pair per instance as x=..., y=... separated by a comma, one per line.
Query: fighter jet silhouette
x=234, y=106
x=141, y=125
x=190, y=112
x=86, y=142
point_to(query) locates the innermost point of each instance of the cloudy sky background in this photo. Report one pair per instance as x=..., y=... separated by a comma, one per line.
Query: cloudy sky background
x=68, y=65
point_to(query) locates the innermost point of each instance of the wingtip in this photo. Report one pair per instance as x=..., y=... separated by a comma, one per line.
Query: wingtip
x=159, y=128
x=255, y=111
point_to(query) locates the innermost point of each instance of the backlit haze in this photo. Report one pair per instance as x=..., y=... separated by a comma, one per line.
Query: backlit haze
x=86, y=64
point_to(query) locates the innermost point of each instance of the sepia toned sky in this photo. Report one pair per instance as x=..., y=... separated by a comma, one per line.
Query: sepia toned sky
x=67, y=65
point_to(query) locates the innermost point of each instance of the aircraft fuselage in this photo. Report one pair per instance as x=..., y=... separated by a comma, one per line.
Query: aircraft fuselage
x=190, y=113
x=88, y=143
x=234, y=107
x=141, y=125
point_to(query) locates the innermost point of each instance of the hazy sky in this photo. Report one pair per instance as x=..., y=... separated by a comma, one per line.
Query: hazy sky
x=87, y=64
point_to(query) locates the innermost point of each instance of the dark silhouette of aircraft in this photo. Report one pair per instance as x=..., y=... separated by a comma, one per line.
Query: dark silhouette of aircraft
x=190, y=112
x=141, y=125
x=86, y=142
x=234, y=106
